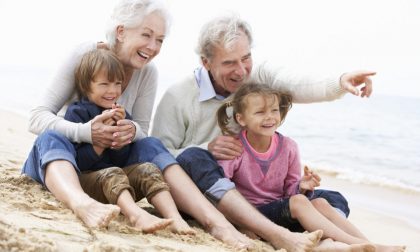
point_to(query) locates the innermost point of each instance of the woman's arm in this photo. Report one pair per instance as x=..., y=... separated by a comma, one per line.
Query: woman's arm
x=61, y=90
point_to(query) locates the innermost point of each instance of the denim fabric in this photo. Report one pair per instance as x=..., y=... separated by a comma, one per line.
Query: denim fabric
x=206, y=173
x=48, y=147
x=279, y=212
x=335, y=199
x=151, y=149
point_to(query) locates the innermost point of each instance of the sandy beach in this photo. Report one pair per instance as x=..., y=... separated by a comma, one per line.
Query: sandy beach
x=31, y=219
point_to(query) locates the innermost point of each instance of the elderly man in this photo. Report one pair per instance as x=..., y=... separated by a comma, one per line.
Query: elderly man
x=186, y=123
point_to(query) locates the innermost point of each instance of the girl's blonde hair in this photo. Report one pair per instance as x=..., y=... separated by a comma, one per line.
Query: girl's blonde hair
x=238, y=103
x=91, y=64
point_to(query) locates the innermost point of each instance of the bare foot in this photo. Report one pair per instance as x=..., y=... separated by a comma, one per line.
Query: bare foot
x=180, y=226
x=297, y=242
x=229, y=235
x=149, y=223
x=329, y=245
x=94, y=213
x=249, y=233
x=386, y=248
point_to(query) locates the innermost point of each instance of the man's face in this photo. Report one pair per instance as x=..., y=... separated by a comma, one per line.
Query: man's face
x=230, y=67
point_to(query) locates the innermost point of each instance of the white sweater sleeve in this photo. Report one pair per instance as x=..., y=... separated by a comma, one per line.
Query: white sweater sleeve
x=61, y=90
x=303, y=88
x=168, y=122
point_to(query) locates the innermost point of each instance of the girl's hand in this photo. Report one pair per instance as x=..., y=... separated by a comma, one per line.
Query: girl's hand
x=309, y=180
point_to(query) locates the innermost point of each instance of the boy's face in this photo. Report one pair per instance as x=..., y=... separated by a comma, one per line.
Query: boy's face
x=104, y=92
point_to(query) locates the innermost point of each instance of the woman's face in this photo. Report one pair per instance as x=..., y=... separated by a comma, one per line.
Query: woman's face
x=139, y=45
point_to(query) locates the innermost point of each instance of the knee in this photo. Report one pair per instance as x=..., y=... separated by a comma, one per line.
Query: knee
x=148, y=170
x=193, y=154
x=111, y=172
x=320, y=203
x=298, y=203
x=51, y=135
x=150, y=141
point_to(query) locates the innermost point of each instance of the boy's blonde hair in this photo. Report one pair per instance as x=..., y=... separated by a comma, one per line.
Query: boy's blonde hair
x=91, y=64
x=238, y=103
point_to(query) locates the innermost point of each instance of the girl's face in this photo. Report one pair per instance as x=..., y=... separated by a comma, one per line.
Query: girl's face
x=139, y=45
x=104, y=92
x=261, y=116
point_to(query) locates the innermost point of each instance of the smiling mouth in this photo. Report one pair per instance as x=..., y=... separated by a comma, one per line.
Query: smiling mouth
x=143, y=55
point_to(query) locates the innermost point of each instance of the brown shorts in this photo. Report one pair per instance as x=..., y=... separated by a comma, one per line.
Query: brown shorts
x=106, y=185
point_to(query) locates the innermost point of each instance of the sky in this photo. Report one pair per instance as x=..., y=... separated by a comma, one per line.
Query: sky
x=323, y=37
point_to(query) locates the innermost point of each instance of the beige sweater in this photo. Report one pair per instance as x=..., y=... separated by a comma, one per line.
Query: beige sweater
x=181, y=121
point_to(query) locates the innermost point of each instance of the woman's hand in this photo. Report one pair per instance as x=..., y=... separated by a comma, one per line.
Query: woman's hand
x=124, y=134
x=102, y=134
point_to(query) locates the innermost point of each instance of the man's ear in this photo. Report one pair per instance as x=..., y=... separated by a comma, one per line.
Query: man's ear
x=120, y=33
x=206, y=63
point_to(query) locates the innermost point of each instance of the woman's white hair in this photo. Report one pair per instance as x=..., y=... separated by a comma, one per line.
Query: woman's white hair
x=221, y=31
x=130, y=14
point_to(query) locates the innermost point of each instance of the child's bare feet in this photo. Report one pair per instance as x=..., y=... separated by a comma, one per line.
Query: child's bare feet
x=386, y=248
x=94, y=213
x=328, y=245
x=297, y=242
x=229, y=235
x=149, y=223
x=180, y=226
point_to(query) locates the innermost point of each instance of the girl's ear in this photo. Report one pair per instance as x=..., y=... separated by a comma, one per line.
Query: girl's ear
x=239, y=119
x=120, y=33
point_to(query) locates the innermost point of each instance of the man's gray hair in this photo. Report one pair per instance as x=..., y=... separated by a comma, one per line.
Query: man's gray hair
x=221, y=31
x=130, y=14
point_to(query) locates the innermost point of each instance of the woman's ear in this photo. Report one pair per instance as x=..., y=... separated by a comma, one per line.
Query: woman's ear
x=120, y=33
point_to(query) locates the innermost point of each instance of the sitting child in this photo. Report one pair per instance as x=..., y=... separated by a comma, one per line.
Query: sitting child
x=113, y=175
x=268, y=173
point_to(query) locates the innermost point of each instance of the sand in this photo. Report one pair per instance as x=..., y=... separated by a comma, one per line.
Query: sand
x=31, y=219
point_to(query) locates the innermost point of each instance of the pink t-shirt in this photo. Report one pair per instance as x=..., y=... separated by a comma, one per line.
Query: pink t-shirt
x=264, y=177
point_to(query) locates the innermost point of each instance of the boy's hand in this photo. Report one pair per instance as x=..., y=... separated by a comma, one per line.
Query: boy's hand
x=309, y=180
x=119, y=112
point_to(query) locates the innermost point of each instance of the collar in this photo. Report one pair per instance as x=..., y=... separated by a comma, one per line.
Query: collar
x=205, y=85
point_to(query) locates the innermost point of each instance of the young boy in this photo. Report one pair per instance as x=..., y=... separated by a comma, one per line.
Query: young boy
x=114, y=175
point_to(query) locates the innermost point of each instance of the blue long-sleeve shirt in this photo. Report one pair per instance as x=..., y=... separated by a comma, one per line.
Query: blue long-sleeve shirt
x=87, y=159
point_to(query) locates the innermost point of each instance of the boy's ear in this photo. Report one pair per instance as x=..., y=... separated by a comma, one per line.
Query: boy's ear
x=239, y=119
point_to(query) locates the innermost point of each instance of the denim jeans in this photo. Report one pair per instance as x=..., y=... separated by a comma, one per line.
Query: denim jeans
x=52, y=146
x=209, y=177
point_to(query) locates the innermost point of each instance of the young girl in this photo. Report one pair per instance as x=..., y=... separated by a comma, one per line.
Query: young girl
x=268, y=173
x=98, y=79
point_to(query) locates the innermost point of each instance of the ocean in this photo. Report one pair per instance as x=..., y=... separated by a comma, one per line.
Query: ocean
x=373, y=141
